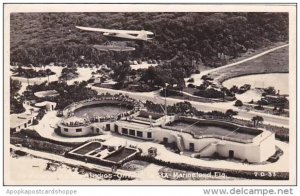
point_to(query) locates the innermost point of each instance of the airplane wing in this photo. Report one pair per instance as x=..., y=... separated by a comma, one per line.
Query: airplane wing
x=114, y=31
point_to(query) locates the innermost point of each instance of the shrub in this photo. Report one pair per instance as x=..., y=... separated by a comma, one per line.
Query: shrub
x=238, y=103
x=191, y=86
x=191, y=80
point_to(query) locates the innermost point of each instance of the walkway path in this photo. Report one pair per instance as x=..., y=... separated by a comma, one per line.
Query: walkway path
x=197, y=77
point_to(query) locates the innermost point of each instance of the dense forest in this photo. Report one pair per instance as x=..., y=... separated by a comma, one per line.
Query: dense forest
x=41, y=38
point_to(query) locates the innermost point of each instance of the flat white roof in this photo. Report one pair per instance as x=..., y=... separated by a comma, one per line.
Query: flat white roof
x=20, y=119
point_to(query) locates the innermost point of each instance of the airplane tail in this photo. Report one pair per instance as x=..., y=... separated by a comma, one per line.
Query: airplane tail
x=143, y=36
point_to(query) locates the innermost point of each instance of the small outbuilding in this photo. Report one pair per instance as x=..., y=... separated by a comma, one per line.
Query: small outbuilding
x=21, y=121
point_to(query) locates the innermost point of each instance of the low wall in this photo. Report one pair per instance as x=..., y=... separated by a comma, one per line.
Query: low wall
x=233, y=126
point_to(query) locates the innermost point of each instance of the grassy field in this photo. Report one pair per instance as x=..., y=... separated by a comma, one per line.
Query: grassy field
x=274, y=62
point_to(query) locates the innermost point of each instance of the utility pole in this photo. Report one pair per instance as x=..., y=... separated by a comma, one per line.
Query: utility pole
x=166, y=112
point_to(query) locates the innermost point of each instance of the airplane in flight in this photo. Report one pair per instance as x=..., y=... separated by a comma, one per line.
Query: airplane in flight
x=122, y=34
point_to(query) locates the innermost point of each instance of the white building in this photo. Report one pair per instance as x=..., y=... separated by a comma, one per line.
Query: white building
x=225, y=139
x=21, y=121
x=47, y=105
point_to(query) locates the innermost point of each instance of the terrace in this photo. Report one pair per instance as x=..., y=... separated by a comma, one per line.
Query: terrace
x=96, y=151
x=214, y=129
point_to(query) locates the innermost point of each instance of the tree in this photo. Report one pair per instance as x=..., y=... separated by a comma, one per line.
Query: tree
x=15, y=86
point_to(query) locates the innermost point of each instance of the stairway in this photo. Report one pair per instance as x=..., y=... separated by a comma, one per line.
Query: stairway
x=205, y=148
x=180, y=144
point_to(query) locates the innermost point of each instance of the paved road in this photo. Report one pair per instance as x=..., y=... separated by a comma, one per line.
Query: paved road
x=154, y=97
x=198, y=77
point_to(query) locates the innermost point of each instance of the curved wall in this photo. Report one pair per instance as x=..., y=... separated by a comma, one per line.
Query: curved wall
x=74, y=131
x=78, y=131
x=85, y=103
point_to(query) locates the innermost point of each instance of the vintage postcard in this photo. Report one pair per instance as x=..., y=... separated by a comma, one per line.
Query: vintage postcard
x=150, y=94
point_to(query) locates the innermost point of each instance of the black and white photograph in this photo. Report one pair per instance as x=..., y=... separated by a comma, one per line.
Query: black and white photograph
x=149, y=94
